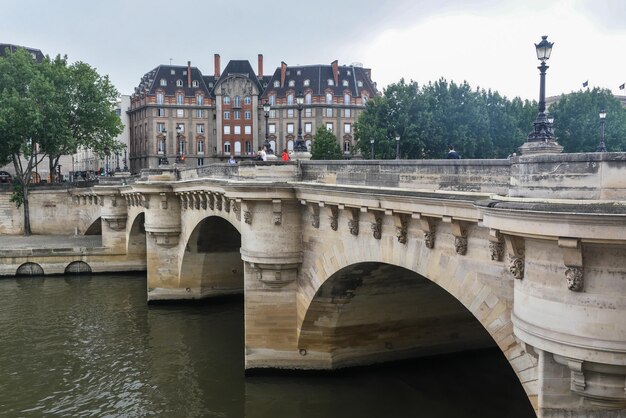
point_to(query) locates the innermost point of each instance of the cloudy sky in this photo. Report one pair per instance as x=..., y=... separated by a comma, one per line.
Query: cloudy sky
x=489, y=43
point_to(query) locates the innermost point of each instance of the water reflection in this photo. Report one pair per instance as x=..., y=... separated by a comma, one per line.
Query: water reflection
x=90, y=346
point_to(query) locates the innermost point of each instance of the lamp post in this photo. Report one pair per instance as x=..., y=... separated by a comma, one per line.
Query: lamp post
x=601, y=145
x=125, y=165
x=266, y=111
x=372, y=142
x=163, y=160
x=541, y=132
x=117, y=162
x=300, y=146
x=180, y=143
x=107, y=154
x=397, y=147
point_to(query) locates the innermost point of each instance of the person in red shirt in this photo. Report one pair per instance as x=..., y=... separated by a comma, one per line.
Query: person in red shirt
x=285, y=156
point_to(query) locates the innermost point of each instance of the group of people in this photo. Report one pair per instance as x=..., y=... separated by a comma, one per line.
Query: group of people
x=261, y=155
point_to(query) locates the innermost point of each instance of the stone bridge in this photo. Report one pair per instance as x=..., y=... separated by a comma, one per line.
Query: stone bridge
x=350, y=263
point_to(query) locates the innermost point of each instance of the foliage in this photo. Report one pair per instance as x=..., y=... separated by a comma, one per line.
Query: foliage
x=480, y=124
x=577, y=124
x=325, y=146
x=17, y=196
x=49, y=109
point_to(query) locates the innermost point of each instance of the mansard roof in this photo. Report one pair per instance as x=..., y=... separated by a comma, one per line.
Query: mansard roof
x=151, y=81
x=242, y=68
x=36, y=53
x=318, y=76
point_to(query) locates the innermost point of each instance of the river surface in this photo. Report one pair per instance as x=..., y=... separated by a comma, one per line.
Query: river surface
x=91, y=347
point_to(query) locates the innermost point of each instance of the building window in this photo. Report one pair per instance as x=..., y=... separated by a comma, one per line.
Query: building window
x=247, y=130
x=307, y=98
x=161, y=146
x=292, y=83
x=346, y=146
x=290, y=145
x=290, y=113
x=237, y=148
x=365, y=99
x=226, y=129
x=199, y=113
x=290, y=99
x=180, y=127
x=359, y=83
x=160, y=127
x=163, y=82
x=348, y=72
x=173, y=71
x=331, y=82
x=237, y=101
x=200, y=147
x=237, y=130
x=160, y=97
x=247, y=100
x=248, y=147
x=160, y=112
x=329, y=112
x=329, y=126
x=346, y=99
x=180, y=98
x=180, y=113
x=308, y=127
x=272, y=100
x=237, y=114
x=347, y=113
x=290, y=128
x=226, y=100
x=199, y=129
x=226, y=114
x=227, y=147
x=346, y=128
x=247, y=115
x=276, y=83
x=329, y=98
x=307, y=82
x=181, y=148
x=308, y=112
x=194, y=83
x=200, y=162
x=345, y=83
x=199, y=100
x=179, y=83
x=272, y=113
x=272, y=128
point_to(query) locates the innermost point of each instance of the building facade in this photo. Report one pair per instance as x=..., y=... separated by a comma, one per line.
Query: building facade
x=178, y=115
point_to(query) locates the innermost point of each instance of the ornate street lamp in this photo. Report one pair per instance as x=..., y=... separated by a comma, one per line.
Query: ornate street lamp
x=300, y=146
x=117, y=162
x=180, y=154
x=125, y=165
x=163, y=160
x=397, y=147
x=266, y=110
x=601, y=145
x=107, y=154
x=541, y=131
x=372, y=142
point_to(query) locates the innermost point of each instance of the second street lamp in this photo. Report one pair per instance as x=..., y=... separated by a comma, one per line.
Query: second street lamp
x=372, y=142
x=300, y=146
x=397, y=147
x=541, y=131
x=602, y=145
x=266, y=144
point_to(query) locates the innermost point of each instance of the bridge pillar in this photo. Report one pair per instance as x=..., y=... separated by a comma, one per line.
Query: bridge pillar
x=271, y=250
x=163, y=226
x=114, y=213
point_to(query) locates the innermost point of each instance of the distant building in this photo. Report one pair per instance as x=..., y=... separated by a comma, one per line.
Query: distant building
x=553, y=99
x=6, y=49
x=179, y=114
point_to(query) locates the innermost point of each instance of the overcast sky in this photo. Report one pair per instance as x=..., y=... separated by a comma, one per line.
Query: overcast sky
x=489, y=43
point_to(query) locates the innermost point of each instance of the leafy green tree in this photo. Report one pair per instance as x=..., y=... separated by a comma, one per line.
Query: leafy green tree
x=325, y=146
x=577, y=125
x=54, y=108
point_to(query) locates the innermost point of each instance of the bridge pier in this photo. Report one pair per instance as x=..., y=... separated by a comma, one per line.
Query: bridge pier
x=114, y=214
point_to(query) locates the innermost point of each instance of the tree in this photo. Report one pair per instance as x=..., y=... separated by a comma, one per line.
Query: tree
x=325, y=146
x=54, y=108
x=577, y=125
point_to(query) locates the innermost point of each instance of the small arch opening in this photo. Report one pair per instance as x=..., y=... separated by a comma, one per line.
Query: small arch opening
x=78, y=267
x=29, y=269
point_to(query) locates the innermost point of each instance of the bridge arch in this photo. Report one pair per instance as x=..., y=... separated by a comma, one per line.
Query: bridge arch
x=77, y=267
x=211, y=262
x=330, y=304
x=136, y=239
x=29, y=269
x=95, y=228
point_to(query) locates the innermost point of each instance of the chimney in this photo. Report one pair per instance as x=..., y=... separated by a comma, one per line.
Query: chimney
x=217, y=65
x=283, y=71
x=335, y=65
x=260, y=74
x=188, y=73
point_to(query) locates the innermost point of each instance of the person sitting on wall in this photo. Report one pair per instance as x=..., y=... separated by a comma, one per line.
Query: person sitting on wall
x=285, y=155
x=232, y=160
x=452, y=154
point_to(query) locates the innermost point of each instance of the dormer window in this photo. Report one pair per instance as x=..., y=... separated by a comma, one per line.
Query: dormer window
x=359, y=83
x=348, y=72
x=307, y=82
x=172, y=71
x=179, y=83
x=292, y=83
x=298, y=72
x=163, y=82
x=194, y=83
x=211, y=85
x=331, y=82
x=276, y=83
x=345, y=83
